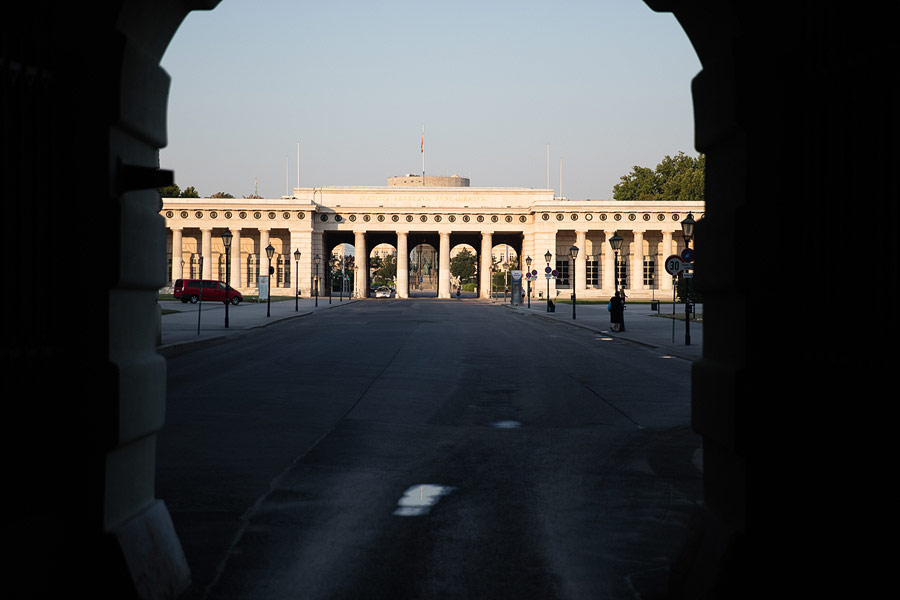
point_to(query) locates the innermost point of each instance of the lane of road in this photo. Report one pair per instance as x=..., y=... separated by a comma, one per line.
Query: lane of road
x=559, y=463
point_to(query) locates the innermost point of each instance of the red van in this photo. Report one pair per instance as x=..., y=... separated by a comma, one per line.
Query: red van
x=190, y=290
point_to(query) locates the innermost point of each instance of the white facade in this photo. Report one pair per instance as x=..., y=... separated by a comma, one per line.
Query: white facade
x=531, y=222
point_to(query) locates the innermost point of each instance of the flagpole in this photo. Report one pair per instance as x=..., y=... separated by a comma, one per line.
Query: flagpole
x=423, y=155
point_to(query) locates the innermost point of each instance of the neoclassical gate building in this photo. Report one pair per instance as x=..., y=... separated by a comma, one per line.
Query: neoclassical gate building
x=441, y=212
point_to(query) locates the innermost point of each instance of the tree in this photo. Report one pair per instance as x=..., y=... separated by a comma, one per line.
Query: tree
x=680, y=177
x=189, y=192
x=387, y=269
x=221, y=195
x=170, y=191
x=463, y=266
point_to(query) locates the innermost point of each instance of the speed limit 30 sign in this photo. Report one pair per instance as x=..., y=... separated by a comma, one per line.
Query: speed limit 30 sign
x=675, y=265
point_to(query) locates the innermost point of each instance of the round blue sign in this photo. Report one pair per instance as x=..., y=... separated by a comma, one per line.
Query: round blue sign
x=687, y=255
x=547, y=269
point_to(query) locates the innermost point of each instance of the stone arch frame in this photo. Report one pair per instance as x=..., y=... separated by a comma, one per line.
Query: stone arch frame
x=809, y=81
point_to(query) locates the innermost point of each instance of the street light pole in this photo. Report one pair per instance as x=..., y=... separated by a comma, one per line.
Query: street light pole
x=547, y=257
x=528, y=264
x=317, y=259
x=687, y=229
x=226, y=241
x=270, y=252
x=297, y=281
x=573, y=252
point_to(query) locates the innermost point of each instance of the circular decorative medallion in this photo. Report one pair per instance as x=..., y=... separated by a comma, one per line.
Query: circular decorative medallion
x=675, y=217
x=301, y=215
x=574, y=217
x=465, y=218
x=589, y=217
x=409, y=218
x=508, y=219
x=646, y=217
x=169, y=214
x=545, y=217
x=480, y=218
x=381, y=218
x=602, y=216
x=257, y=215
x=494, y=218
x=660, y=217
x=631, y=217
x=522, y=219
x=437, y=218
x=184, y=214
x=395, y=218
x=286, y=216
x=272, y=215
x=213, y=215
x=452, y=218
x=353, y=218
x=227, y=214
x=617, y=217
x=198, y=214
x=323, y=217
x=242, y=214
x=559, y=217
x=367, y=218
x=338, y=218
x=423, y=218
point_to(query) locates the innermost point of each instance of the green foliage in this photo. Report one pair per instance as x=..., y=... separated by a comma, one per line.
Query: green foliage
x=386, y=268
x=463, y=265
x=221, y=195
x=680, y=177
x=173, y=191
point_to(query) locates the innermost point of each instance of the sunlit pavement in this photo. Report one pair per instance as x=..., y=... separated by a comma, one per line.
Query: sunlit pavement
x=194, y=323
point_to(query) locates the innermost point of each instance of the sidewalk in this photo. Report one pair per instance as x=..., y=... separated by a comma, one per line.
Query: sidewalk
x=642, y=325
x=179, y=330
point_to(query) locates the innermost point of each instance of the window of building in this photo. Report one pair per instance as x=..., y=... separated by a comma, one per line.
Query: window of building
x=562, y=267
x=252, y=270
x=592, y=272
x=649, y=273
x=623, y=273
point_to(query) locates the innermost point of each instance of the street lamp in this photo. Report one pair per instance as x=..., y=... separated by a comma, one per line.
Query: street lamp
x=615, y=243
x=528, y=264
x=270, y=252
x=317, y=259
x=573, y=252
x=355, y=275
x=687, y=230
x=226, y=241
x=297, y=281
x=547, y=257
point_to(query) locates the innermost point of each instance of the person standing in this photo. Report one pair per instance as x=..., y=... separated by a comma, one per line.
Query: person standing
x=617, y=313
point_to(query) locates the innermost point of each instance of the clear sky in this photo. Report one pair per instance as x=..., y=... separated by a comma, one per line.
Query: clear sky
x=605, y=83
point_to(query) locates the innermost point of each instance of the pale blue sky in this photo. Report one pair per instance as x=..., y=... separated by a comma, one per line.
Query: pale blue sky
x=605, y=83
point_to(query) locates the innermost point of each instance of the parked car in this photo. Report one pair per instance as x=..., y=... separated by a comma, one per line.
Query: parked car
x=383, y=292
x=190, y=290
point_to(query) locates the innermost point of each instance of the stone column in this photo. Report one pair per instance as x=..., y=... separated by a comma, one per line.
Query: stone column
x=484, y=267
x=402, y=265
x=580, y=281
x=444, y=271
x=609, y=264
x=362, y=261
x=177, y=267
x=637, y=266
x=263, y=257
x=234, y=279
x=206, y=253
x=665, y=280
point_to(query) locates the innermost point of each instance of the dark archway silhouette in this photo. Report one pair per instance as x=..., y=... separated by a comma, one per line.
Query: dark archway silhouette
x=797, y=115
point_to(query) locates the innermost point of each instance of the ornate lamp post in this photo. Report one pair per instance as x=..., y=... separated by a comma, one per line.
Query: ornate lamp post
x=270, y=252
x=297, y=281
x=528, y=264
x=615, y=243
x=573, y=252
x=355, y=275
x=687, y=230
x=317, y=259
x=226, y=241
x=547, y=257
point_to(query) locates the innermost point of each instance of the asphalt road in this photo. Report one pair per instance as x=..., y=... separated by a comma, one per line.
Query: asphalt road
x=425, y=449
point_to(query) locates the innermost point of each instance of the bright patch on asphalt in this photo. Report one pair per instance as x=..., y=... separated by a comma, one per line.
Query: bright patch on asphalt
x=419, y=499
x=506, y=424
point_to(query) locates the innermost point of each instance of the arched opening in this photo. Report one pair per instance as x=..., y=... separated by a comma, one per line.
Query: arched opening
x=116, y=538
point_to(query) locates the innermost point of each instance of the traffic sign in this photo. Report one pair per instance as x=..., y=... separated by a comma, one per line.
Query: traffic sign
x=674, y=265
x=687, y=255
x=547, y=269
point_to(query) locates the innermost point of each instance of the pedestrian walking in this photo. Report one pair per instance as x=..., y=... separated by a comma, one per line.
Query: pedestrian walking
x=458, y=289
x=616, y=308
